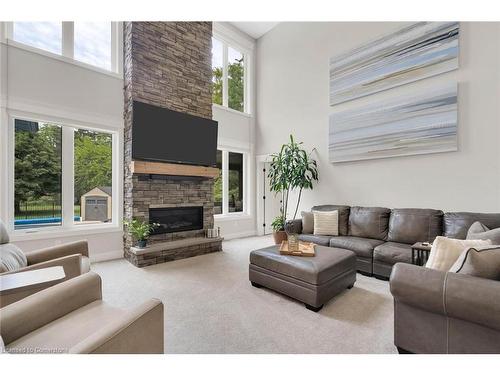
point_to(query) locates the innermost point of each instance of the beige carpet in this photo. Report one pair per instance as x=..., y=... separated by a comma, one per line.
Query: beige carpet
x=210, y=307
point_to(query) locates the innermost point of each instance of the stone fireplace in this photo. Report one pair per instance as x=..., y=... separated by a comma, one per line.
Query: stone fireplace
x=168, y=64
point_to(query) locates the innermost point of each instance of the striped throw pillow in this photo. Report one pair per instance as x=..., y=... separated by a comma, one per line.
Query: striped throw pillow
x=326, y=223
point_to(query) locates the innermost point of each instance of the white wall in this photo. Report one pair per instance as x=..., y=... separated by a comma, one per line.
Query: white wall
x=38, y=85
x=292, y=97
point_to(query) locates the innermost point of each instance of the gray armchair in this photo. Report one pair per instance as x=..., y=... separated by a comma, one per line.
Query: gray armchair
x=444, y=312
x=71, y=317
x=73, y=257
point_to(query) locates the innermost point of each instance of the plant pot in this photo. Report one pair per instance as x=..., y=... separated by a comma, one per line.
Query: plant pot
x=279, y=237
x=142, y=243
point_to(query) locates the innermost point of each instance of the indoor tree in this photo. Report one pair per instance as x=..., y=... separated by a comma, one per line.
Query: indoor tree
x=291, y=169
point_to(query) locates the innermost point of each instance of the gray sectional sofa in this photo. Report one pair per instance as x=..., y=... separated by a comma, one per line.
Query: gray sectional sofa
x=381, y=237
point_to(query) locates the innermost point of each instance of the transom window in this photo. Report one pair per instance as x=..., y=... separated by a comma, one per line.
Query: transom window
x=93, y=43
x=228, y=76
x=63, y=175
x=229, y=185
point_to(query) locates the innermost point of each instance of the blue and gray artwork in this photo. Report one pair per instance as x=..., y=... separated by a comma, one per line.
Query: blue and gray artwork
x=419, y=51
x=422, y=124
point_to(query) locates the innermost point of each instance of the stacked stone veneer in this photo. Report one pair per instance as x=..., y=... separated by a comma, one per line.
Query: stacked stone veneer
x=167, y=64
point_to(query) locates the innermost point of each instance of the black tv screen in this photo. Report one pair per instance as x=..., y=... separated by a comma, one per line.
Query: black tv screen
x=160, y=134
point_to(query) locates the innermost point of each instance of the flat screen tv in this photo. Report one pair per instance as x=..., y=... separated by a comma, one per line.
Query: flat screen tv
x=160, y=134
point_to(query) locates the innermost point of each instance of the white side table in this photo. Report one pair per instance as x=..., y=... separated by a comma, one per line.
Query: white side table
x=16, y=286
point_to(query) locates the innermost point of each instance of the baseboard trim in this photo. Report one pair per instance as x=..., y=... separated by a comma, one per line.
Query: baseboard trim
x=110, y=255
x=234, y=236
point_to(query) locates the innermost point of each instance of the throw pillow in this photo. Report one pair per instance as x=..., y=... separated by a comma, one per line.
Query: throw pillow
x=480, y=262
x=479, y=231
x=307, y=222
x=445, y=251
x=11, y=258
x=326, y=223
x=4, y=236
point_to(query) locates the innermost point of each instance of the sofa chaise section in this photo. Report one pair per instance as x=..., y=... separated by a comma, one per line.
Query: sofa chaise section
x=438, y=312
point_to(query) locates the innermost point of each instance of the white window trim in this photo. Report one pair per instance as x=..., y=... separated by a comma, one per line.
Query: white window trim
x=225, y=185
x=247, y=57
x=67, y=48
x=67, y=227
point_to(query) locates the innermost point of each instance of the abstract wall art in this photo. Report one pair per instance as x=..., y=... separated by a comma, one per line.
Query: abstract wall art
x=421, y=124
x=419, y=51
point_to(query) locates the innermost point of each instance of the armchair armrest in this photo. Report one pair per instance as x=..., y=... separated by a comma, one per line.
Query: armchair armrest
x=473, y=299
x=418, y=286
x=71, y=264
x=39, y=309
x=58, y=251
x=139, y=331
x=293, y=226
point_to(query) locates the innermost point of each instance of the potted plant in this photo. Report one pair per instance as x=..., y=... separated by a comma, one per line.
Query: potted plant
x=292, y=168
x=140, y=230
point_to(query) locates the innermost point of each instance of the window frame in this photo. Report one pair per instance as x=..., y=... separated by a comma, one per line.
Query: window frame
x=67, y=227
x=247, y=55
x=225, y=184
x=68, y=47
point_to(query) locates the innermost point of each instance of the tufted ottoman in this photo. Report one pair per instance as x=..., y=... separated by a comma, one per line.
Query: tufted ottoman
x=312, y=280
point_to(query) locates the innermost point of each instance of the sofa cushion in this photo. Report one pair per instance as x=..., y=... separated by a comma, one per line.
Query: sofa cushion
x=307, y=222
x=326, y=223
x=479, y=231
x=362, y=247
x=369, y=222
x=410, y=225
x=392, y=253
x=324, y=266
x=456, y=224
x=480, y=262
x=445, y=251
x=11, y=258
x=343, y=216
x=319, y=240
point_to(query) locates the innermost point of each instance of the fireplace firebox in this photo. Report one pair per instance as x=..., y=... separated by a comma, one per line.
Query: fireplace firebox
x=176, y=219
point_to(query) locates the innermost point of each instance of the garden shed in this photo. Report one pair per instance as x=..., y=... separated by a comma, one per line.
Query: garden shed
x=96, y=204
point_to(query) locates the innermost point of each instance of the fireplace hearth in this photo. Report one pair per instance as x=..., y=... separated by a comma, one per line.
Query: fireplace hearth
x=176, y=219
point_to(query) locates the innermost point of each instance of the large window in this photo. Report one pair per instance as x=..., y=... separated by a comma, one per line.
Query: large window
x=42, y=35
x=62, y=175
x=229, y=185
x=235, y=179
x=37, y=174
x=218, y=186
x=93, y=176
x=93, y=43
x=217, y=71
x=228, y=76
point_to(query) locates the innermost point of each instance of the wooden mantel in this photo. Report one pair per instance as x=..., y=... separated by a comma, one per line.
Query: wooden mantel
x=150, y=167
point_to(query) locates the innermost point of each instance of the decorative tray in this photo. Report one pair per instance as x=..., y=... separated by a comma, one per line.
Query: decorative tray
x=306, y=249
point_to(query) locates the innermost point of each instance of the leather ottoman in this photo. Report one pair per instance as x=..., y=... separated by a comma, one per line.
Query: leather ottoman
x=312, y=280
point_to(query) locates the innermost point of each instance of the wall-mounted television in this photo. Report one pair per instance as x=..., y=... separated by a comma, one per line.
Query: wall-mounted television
x=160, y=134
